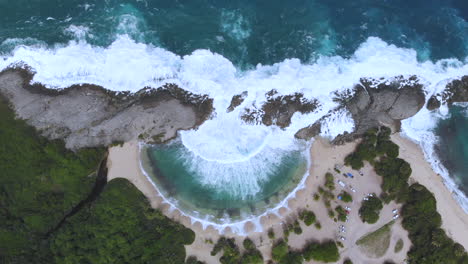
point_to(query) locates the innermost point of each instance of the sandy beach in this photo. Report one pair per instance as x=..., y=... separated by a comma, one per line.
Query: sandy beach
x=123, y=162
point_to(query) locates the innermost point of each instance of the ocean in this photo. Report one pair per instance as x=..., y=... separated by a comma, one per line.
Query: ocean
x=223, y=48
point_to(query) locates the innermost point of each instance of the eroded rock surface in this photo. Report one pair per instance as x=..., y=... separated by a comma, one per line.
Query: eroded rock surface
x=237, y=100
x=375, y=102
x=456, y=91
x=87, y=115
x=279, y=109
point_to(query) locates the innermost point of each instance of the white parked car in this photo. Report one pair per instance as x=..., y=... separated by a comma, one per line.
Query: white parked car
x=348, y=208
x=353, y=190
x=396, y=216
x=340, y=182
x=394, y=211
x=342, y=238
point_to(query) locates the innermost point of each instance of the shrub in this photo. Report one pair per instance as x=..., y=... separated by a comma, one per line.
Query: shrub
x=279, y=250
x=318, y=225
x=346, y=197
x=341, y=213
x=347, y=261
x=324, y=252
x=271, y=233
x=308, y=217
x=329, y=181
x=316, y=197
x=248, y=244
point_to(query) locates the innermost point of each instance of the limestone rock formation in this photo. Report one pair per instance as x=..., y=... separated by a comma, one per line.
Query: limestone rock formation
x=87, y=115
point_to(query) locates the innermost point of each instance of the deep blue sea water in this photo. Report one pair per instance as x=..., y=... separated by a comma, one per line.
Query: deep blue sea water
x=246, y=33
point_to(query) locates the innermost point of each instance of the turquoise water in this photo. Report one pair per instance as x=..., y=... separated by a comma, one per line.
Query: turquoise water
x=174, y=170
x=453, y=145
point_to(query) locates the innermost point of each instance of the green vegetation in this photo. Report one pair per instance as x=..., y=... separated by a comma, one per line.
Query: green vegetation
x=341, y=213
x=370, y=210
x=399, y=245
x=124, y=227
x=271, y=233
x=329, y=181
x=318, y=225
x=316, y=197
x=308, y=217
x=41, y=182
x=331, y=213
x=297, y=229
x=376, y=244
x=193, y=260
x=251, y=254
x=346, y=197
x=279, y=250
x=430, y=244
x=347, y=261
x=324, y=252
x=231, y=252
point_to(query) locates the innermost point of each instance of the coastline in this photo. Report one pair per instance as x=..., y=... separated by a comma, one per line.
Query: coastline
x=454, y=217
x=124, y=162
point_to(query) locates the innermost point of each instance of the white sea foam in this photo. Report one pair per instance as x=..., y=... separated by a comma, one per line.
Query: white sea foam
x=129, y=66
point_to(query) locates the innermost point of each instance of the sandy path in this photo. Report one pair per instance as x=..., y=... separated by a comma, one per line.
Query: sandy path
x=454, y=218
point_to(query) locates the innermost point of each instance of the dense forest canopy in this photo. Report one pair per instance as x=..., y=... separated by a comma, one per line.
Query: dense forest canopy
x=41, y=182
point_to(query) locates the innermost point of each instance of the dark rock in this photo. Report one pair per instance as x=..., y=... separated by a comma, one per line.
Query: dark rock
x=278, y=110
x=237, y=100
x=456, y=91
x=433, y=103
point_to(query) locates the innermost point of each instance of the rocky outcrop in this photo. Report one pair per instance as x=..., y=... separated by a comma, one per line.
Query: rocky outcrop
x=279, y=109
x=387, y=102
x=88, y=115
x=373, y=102
x=455, y=92
x=237, y=100
x=310, y=131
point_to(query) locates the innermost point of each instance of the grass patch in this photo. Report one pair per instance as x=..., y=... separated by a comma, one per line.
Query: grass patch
x=375, y=244
x=399, y=245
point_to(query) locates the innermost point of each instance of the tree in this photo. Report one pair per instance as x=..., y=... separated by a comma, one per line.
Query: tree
x=370, y=210
x=307, y=216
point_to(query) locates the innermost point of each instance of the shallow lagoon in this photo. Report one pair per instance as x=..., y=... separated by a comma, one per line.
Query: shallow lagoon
x=199, y=190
